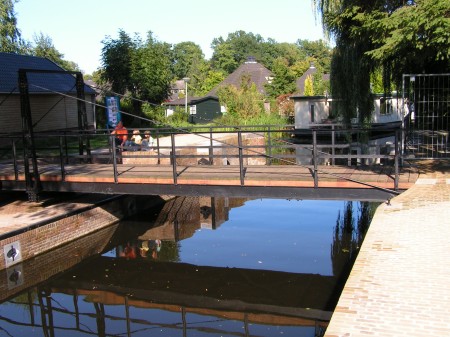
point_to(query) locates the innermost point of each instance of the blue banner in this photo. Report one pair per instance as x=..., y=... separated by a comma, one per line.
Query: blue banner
x=113, y=115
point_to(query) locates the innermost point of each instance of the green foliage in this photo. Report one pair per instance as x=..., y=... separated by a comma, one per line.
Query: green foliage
x=151, y=70
x=185, y=56
x=10, y=37
x=283, y=81
x=317, y=51
x=43, y=47
x=309, y=87
x=142, y=69
x=244, y=103
x=383, y=37
x=203, y=78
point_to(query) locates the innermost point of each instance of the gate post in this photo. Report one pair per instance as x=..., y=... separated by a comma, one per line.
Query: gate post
x=32, y=179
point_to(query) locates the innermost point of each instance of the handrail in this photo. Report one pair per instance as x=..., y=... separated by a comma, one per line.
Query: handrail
x=336, y=147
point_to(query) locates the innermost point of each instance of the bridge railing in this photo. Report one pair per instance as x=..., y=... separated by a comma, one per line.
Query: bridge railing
x=243, y=147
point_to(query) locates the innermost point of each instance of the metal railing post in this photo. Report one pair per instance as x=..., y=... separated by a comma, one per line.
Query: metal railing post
x=333, y=144
x=61, y=158
x=173, y=158
x=241, y=160
x=157, y=146
x=269, y=147
x=114, y=157
x=316, y=180
x=396, y=160
x=16, y=168
x=211, y=149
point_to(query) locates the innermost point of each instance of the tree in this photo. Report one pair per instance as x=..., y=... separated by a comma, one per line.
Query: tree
x=117, y=55
x=309, y=87
x=203, y=78
x=391, y=36
x=283, y=81
x=44, y=48
x=185, y=55
x=230, y=53
x=244, y=103
x=140, y=69
x=151, y=71
x=10, y=37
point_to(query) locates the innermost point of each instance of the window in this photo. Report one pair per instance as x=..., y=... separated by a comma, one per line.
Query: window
x=386, y=106
x=311, y=111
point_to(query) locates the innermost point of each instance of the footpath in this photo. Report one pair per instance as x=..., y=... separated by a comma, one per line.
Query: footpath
x=399, y=285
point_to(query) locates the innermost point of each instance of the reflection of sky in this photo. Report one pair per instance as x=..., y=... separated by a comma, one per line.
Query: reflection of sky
x=274, y=234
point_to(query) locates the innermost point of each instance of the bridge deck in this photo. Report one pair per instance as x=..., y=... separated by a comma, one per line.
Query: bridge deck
x=267, y=176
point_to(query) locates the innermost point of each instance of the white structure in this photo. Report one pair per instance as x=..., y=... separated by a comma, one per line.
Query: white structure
x=312, y=110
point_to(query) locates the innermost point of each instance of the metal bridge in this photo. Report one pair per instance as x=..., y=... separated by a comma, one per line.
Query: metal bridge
x=252, y=162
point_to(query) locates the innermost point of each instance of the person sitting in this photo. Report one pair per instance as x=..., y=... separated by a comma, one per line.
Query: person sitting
x=147, y=142
x=121, y=135
x=135, y=141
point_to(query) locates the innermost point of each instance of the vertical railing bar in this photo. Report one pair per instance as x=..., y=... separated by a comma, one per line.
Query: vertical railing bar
x=174, y=159
x=241, y=161
x=396, y=160
x=16, y=168
x=316, y=180
x=211, y=149
x=61, y=158
x=333, y=144
x=269, y=146
x=157, y=146
x=114, y=157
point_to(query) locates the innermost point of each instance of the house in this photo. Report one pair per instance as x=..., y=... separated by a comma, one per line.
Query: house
x=201, y=110
x=204, y=109
x=312, y=111
x=177, y=88
x=256, y=73
x=52, y=96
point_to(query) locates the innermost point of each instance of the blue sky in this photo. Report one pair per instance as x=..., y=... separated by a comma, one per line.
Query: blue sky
x=78, y=27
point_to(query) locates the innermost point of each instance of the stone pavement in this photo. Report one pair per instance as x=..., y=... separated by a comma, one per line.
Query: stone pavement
x=399, y=285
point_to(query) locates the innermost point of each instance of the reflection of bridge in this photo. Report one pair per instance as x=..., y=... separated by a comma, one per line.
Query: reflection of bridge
x=253, y=295
x=251, y=169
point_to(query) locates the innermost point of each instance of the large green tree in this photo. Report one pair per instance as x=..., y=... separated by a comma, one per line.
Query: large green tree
x=185, y=55
x=142, y=69
x=388, y=36
x=43, y=47
x=10, y=37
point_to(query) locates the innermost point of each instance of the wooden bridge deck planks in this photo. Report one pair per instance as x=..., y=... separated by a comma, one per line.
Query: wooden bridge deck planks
x=275, y=175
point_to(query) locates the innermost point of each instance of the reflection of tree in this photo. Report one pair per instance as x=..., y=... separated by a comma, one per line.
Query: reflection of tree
x=348, y=235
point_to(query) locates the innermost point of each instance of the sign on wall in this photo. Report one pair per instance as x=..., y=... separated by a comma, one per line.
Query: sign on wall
x=113, y=115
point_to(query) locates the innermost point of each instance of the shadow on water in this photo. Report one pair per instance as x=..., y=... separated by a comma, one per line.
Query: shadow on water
x=173, y=271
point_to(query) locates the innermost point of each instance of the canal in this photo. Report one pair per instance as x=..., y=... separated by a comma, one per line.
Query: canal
x=195, y=266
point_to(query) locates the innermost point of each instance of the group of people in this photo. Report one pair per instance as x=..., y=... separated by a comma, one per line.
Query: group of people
x=135, y=143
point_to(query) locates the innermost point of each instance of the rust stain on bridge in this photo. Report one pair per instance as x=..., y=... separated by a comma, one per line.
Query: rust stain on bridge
x=267, y=176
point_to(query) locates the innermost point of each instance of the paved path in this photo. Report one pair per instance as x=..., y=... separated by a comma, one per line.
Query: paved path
x=400, y=283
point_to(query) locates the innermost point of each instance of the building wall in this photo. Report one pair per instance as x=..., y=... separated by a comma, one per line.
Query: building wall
x=302, y=111
x=206, y=111
x=50, y=112
x=387, y=112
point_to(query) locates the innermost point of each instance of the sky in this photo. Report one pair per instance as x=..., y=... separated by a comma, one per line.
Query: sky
x=77, y=28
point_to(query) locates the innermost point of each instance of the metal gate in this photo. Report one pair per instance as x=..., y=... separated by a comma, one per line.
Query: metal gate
x=426, y=107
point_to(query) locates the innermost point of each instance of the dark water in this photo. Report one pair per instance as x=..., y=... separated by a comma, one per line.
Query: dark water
x=194, y=267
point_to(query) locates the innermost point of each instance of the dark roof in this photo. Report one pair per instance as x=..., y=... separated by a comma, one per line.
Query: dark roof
x=258, y=74
x=37, y=82
x=191, y=100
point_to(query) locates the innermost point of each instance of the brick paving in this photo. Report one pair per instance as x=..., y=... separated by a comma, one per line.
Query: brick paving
x=399, y=285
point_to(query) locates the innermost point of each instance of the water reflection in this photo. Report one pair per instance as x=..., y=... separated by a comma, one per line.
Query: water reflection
x=195, y=267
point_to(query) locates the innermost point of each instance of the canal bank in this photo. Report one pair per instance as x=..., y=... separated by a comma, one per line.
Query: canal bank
x=29, y=229
x=399, y=283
